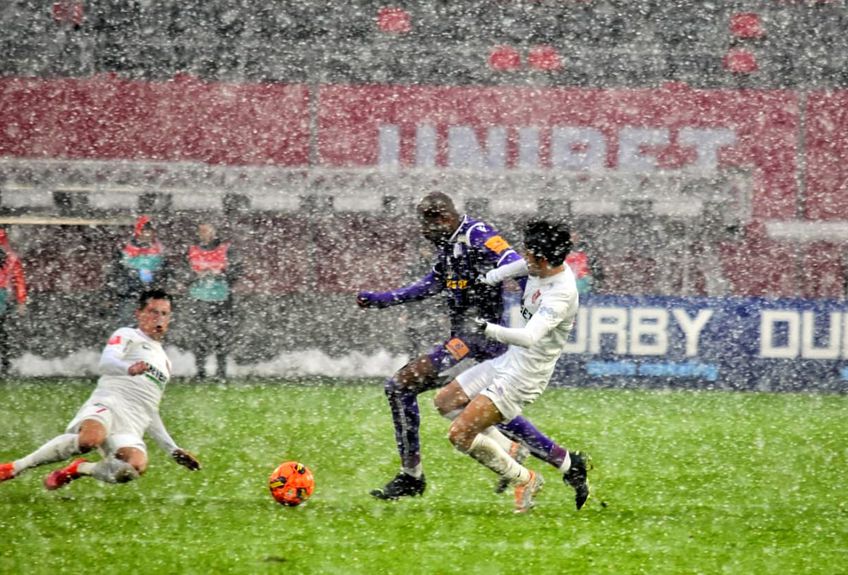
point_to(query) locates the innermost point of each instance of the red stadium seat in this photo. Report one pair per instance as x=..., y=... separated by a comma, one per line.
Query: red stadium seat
x=544, y=58
x=504, y=59
x=747, y=26
x=393, y=20
x=69, y=12
x=740, y=61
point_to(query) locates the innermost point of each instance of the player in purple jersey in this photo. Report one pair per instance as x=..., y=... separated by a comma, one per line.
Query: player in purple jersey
x=466, y=250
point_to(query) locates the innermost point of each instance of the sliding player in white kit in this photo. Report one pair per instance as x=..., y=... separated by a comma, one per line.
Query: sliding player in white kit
x=125, y=404
x=497, y=390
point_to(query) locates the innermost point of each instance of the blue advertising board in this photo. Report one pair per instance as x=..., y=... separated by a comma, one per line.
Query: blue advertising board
x=698, y=342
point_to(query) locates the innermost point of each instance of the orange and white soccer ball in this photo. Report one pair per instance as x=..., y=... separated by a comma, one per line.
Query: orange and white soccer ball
x=291, y=483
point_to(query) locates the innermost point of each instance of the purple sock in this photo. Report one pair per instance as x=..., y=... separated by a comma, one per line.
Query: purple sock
x=540, y=445
x=407, y=420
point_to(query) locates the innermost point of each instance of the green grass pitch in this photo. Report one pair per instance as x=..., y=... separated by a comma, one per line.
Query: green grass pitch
x=691, y=482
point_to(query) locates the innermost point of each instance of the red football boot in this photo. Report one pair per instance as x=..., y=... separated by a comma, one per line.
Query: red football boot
x=61, y=477
x=7, y=471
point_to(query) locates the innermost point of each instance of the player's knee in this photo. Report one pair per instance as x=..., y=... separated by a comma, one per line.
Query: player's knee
x=443, y=403
x=90, y=439
x=126, y=474
x=416, y=372
x=135, y=462
x=391, y=388
x=450, y=400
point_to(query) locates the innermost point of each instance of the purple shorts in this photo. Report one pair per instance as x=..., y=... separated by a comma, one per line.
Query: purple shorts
x=459, y=347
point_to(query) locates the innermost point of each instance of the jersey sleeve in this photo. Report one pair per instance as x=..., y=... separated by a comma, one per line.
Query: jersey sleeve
x=160, y=435
x=425, y=287
x=489, y=242
x=511, y=270
x=552, y=312
x=112, y=360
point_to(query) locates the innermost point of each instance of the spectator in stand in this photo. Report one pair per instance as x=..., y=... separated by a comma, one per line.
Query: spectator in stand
x=12, y=284
x=138, y=266
x=211, y=270
x=586, y=267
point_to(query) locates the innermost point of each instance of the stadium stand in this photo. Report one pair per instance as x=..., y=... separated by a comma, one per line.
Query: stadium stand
x=280, y=55
x=428, y=43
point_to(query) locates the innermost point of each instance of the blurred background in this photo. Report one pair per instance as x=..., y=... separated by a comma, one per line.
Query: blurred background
x=697, y=148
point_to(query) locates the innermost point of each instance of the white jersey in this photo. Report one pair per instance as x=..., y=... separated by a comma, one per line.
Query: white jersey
x=125, y=347
x=549, y=307
x=128, y=405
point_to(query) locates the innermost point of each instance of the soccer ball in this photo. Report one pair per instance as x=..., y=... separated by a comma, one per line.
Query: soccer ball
x=291, y=483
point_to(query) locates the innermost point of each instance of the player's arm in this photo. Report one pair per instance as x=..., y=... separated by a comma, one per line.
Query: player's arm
x=514, y=269
x=425, y=287
x=505, y=261
x=549, y=315
x=163, y=439
x=112, y=360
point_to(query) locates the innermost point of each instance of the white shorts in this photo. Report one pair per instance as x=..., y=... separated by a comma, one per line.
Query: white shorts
x=124, y=426
x=508, y=388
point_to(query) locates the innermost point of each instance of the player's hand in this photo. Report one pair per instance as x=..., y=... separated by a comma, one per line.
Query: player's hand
x=186, y=459
x=366, y=299
x=485, y=279
x=476, y=325
x=138, y=368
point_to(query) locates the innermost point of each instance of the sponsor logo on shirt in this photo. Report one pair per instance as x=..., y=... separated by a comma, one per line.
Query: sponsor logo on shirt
x=456, y=284
x=156, y=376
x=546, y=312
x=497, y=244
x=114, y=340
x=457, y=348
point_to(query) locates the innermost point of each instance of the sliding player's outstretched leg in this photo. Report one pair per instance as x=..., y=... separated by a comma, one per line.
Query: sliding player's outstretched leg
x=60, y=477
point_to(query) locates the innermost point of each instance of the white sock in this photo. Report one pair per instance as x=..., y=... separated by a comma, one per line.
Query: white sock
x=415, y=472
x=489, y=453
x=566, y=463
x=502, y=440
x=59, y=448
x=109, y=470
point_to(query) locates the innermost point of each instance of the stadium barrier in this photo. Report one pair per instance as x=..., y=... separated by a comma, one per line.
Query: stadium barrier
x=751, y=344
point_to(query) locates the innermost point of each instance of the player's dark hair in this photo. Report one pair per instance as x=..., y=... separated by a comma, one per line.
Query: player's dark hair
x=148, y=295
x=436, y=204
x=550, y=240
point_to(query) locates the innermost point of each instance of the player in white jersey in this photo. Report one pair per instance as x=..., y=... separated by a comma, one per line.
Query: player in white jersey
x=125, y=404
x=496, y=390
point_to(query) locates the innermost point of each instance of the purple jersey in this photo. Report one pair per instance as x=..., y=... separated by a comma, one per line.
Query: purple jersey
x=473, y=249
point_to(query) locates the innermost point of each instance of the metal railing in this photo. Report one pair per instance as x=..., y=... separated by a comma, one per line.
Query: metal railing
x=677, y=194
